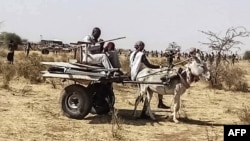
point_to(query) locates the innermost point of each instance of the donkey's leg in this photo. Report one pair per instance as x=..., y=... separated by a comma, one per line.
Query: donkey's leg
x=144, y=109
x=149, y=111
x=141, y=91
x=137, y=101
x=177, y=94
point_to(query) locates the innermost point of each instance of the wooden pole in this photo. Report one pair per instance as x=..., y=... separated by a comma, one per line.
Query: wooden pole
x=75, y=51
x=111, y=40
x=144, y=82
x=81, y=57
x=86, y=53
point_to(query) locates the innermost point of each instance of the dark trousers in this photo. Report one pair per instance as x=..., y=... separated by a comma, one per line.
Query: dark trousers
x=170, y=63
x=10, y=57
x=27, y=52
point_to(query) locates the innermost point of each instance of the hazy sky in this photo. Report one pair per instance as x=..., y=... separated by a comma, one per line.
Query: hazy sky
x=156, y=22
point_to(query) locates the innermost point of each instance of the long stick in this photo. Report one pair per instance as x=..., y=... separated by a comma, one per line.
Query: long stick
x=82, y=42
x=111, y=40
x=88, y=43
x=165, y=68
x=181, y=62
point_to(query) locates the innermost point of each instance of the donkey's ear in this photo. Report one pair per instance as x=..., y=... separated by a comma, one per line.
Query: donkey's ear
x=180, y=70
x=196, y=59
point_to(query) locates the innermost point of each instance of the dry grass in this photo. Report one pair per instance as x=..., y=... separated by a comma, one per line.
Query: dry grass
x=30, y=67
x=211, y=133
x=3, y=52
x=229, y=78
x=125, y=64
x=27, y=67
x=244, y=114
x=116, y=122
x=8, y=72
x=32, y=112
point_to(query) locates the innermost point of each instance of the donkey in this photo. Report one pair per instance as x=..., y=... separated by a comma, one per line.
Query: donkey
x=177, y=84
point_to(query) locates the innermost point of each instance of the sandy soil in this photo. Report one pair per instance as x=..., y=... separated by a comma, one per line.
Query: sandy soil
x=31, y=112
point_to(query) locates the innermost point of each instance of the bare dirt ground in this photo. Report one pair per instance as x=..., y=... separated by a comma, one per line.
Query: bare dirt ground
x=32, y=112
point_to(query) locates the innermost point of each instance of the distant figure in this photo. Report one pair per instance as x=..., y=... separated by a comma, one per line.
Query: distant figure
x=218, y=58
x=178, y=56
x=233, y=59
x=10, y=56
x=27, y=49
x=170, y=58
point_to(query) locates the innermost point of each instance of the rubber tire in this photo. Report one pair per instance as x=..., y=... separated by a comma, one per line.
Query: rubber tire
x=45, y=51
x=84, y=98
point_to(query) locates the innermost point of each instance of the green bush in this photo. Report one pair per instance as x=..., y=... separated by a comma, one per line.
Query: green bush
x=246, y=55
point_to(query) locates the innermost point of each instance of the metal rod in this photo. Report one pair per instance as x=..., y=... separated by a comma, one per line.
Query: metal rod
x=143, y=82
x=111, y=40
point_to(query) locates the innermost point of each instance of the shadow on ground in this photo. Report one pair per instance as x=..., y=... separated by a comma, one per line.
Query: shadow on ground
x=125, y=117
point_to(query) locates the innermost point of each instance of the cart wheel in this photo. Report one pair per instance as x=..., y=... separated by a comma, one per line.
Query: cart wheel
x=103, y=97
x=75, y=101
x=45, y=51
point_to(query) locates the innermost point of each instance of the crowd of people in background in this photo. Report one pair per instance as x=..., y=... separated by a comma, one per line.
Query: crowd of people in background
x=169, y=55
x=211, y=57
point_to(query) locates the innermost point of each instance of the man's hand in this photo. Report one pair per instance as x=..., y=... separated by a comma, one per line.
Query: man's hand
x=101, y=45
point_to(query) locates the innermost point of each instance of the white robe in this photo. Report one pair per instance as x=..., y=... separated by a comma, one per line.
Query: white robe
x=99, y=58
x=135, y=64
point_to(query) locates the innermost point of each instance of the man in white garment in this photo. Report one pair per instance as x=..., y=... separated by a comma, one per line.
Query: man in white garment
x=137, y=61
x=95, y=55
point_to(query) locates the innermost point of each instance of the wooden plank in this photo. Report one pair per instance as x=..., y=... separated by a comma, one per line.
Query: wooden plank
x=61, y=64
x=95, y=67
x=88, y=66
x=78, y=66
x=70, y=76
x=77, y=72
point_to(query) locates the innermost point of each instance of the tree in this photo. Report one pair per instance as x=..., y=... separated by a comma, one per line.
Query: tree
x=5, y=37
x=227, y=42
x=222, y=74
x=246, y=55
x=173, y=47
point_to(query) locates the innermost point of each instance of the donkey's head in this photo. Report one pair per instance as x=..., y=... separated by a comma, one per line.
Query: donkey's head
x=196, y=69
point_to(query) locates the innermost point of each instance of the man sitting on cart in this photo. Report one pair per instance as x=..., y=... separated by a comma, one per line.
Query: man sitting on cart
x=95, y=55
x=137, y=60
